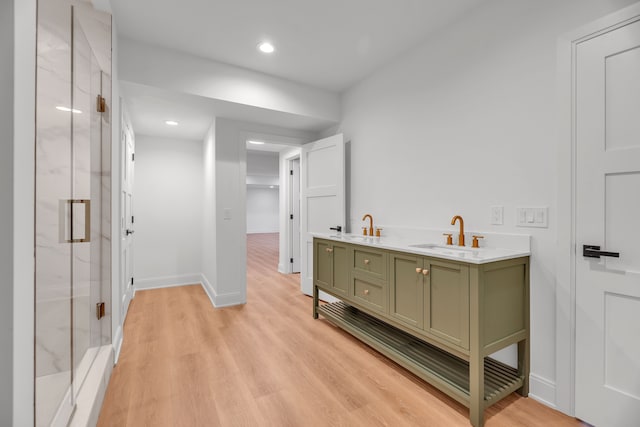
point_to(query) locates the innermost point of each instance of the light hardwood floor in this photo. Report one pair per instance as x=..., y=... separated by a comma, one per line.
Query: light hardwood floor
x=268, y=363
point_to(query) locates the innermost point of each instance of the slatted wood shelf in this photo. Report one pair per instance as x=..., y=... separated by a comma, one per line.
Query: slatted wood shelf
x=444, y=371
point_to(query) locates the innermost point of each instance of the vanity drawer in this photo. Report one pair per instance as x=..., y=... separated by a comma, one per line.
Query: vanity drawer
x=370, y=261
x=370, y=293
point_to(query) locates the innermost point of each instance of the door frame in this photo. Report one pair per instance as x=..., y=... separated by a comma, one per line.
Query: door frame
x=564, y=399
x=286, y=158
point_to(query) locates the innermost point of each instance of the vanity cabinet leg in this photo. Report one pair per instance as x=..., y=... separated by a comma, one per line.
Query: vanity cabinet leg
x=476, y=392
x=523, y=366
x=315, y=302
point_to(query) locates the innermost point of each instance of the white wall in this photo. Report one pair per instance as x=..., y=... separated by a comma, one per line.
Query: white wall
x=225, y=227
x=262, y=163
x=17, y=168
x=117, y=317
x=467, y=121
x=262, y=210
x=262, y=201
x=168, y=210
x=209, y=235
x=6, y=211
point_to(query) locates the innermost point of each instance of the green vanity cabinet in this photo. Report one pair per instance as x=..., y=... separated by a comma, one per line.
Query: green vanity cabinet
x=446, y=301
x=431, y=296
x=331, y=267
x=441, y=319
x=407, y=289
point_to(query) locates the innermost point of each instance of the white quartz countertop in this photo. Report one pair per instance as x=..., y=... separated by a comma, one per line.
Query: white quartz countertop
x=417, y=246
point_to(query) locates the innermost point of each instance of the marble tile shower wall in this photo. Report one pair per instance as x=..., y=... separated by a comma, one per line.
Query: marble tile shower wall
x=53, y=178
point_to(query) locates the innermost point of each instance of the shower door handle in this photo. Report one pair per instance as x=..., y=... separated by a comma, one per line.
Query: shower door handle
x=67, y=233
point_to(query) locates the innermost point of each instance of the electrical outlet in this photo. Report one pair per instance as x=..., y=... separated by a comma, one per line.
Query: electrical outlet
x=497, y=215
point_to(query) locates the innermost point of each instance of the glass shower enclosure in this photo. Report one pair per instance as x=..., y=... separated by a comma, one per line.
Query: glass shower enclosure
x=73, y=205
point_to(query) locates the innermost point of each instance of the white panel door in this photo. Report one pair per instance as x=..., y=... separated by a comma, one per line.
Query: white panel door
x=608, y=215
x=322, y=203
x=127, y=216
x=295, y=211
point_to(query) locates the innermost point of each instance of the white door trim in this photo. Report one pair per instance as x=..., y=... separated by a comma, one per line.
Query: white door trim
x=286, y=157
x=566, y=202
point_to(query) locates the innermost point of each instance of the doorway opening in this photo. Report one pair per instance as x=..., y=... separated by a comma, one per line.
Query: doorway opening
x=273, y=202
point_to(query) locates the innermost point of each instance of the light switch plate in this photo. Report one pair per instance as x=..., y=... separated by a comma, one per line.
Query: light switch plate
x=535, y=217
x=497, y=215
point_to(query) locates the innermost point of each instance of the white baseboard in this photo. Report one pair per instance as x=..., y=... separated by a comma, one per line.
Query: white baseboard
x=208, y=289
x=168, y=281
x=542, y=390
x=220, y=300
x=117, y=344
x=228, y=300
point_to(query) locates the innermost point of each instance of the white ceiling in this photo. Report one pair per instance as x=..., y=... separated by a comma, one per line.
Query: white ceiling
x=329, y=44
x=150, y=107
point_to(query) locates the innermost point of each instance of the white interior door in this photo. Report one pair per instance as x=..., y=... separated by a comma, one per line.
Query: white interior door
x=322, y=198
x=127, y=216
x=607, y=215
x=294, y=220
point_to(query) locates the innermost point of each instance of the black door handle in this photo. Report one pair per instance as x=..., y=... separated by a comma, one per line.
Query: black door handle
x=129, y=232
x=593, y=251
x=337, y=228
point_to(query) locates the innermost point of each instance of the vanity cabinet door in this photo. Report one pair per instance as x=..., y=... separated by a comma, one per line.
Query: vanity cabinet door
x=407, y=289
x=331, y=266
x=446, y=301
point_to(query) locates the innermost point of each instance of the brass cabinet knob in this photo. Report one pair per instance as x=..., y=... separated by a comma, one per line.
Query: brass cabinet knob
x=329, y=250
x=418, y=270
x=425, y=271
x=366, y=262
x=366, y=292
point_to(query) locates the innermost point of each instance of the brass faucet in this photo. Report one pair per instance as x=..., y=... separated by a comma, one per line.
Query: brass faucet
x=370, y=224
x=461, y=237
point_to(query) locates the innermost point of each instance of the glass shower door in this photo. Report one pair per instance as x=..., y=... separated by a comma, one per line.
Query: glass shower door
x=72, y=211
x=86, y=206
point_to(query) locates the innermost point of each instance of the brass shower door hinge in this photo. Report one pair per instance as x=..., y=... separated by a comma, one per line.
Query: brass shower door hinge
x=100, y=310
x=101, y=104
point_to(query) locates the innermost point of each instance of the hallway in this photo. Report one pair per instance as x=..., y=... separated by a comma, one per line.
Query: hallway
x=269, y=363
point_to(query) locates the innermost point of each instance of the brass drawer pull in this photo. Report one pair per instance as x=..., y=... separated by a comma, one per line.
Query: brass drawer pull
x=329, y=250
x=418, y=270
x=366, y=292
x=366, y=262
x=425, y=271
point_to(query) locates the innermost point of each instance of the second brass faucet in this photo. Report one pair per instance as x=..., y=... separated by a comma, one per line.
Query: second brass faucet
x=370, y=224
x=461, y=236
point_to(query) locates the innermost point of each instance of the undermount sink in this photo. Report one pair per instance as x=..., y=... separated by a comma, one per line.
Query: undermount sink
x=348, y=237
x=442, y=248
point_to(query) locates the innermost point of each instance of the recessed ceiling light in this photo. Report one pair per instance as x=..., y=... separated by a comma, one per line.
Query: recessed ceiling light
x=68, y=110
x=266, y=47
x=171, y=123
x=256, y=142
